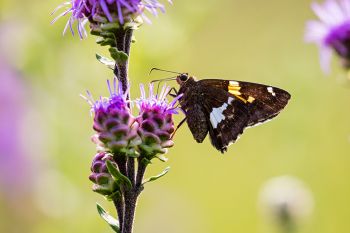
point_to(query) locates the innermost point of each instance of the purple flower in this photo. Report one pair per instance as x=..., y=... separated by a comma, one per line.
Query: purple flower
x=331, y=32
x=104, y=11
x=15, y=165
x=103, y=181
x=113, y=121
x=155, y=120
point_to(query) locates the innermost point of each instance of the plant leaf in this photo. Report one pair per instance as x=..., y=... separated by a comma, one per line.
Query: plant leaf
x=153, y=178
x=145, y=161
x=109, y=26
x=135, y=24
x=162, y=158
x=105, y=41
x=114, y=196
x=113, y=170
x=106, y=61
x=112, y=222
x=118, y=56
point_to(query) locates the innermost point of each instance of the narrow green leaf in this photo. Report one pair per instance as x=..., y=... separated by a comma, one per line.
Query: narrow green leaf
x=112, y=222
x=162, y=158
x=107, y=41
x=106, y=61
x=134, y=25
x=145, y=161
x=108, y=35
x=109, y=26
x=118, y=56
x=153, y=178
x=100, y=40
x=113, y=170
x=114, y=196
x=95, y=32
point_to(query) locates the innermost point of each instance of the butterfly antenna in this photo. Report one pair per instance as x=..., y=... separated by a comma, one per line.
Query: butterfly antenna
x=164, y=79
x=169, y=71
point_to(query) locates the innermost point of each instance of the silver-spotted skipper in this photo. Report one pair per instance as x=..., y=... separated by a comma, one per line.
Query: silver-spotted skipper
x=224, y=108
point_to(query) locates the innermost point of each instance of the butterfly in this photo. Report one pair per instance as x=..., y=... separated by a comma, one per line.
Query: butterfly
x=224, y=108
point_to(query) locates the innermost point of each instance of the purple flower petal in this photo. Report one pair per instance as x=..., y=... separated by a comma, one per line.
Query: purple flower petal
x=156, y=102
x=332, y=32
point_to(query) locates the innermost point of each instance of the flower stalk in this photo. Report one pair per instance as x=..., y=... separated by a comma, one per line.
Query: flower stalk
x=126, y=206
x=125, y=144
x=123, y=39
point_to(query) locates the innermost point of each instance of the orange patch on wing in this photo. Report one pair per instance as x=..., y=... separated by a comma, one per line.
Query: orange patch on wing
x=250, y=99
x=234, y=90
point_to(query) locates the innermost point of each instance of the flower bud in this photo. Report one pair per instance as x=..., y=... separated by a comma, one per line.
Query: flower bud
x=103, y=181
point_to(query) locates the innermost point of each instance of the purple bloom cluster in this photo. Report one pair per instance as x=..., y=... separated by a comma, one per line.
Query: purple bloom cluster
x=119, y=132
x=113, y=121
x=155, y=120
x=103, y=11
x=331, y=32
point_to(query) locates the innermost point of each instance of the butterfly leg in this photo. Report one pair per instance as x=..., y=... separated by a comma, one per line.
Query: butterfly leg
x=171, y=94
x=177, y=127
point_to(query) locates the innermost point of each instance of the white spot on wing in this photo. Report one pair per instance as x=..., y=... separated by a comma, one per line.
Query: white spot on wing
x=234, y=83
x=270, y=90
x=216, y=115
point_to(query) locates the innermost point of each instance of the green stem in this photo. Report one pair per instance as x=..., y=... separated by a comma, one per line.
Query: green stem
x=131, y=170
x=141, y=169
x=123, y=41
x=130, y=208
x=127, y=206
x=120, y=206
x=119, y=202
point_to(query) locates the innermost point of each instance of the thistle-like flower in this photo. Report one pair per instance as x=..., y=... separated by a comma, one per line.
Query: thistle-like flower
x=332, y=32
x=103, y=181
x=113, y=122
x=99, y=12
x=155, y=121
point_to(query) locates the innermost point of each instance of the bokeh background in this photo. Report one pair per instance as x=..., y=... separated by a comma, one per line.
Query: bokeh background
x=45, y=148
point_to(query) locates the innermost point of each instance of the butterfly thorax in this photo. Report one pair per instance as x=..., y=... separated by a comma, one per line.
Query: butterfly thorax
x=191, y=92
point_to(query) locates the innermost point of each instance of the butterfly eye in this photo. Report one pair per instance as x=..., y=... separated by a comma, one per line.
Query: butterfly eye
x=183, y=77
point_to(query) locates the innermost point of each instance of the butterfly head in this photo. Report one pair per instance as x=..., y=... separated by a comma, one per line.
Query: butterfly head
x=183, y=78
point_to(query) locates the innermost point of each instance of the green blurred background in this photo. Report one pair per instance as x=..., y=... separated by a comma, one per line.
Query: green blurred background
x=257, y=41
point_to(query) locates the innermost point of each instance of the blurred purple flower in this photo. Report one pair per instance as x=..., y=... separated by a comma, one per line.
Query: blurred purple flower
x=155, y=120
x=331, y=32
x=14, y=167
x=113, y=121
x=102, y=11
